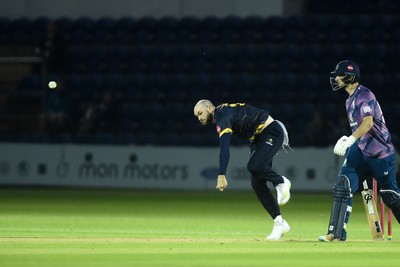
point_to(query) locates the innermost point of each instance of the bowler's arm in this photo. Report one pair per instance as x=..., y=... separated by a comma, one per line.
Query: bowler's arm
x=224, y=156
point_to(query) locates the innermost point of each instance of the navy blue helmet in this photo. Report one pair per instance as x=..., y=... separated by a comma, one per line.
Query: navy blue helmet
x=349, y=73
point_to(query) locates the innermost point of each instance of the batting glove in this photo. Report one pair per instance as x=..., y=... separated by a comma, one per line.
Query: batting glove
x=343, y=144
x=222, y=183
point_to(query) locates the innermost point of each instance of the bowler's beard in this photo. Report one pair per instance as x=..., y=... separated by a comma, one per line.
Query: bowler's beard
x=209, y=119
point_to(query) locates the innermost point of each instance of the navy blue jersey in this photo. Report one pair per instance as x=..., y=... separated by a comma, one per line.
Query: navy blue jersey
x=239, y=119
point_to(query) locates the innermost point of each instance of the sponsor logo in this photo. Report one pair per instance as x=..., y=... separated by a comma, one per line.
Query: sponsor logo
x=367, y=109
x=42, y=169
x=155, y=172
x=23, y=168
x=385, y=173
x=269, y=141
x=132, y=170
x=350, y=67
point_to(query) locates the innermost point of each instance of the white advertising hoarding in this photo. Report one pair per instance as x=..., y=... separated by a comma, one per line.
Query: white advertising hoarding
x=310, y=169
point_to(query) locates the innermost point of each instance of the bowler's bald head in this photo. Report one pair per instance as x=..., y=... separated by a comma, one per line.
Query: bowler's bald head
x=204, y=110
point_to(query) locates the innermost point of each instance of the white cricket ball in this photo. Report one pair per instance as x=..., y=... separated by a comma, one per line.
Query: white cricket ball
x=52, y=84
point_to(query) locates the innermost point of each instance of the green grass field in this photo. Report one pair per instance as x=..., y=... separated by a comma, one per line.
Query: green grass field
x=70, y=227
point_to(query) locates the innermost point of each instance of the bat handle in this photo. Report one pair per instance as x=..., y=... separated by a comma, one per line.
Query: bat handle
x=365, y=185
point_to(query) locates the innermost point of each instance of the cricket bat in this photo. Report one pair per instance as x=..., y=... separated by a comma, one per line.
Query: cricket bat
x=372, y=213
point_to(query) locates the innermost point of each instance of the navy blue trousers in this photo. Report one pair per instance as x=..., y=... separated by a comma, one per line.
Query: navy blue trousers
x=358, y=168
x=262, y=151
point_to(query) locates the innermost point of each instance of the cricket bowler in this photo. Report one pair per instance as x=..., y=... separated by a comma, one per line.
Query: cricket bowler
x=267, y=136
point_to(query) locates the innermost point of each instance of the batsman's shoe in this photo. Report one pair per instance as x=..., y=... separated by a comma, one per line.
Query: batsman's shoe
x=279, y=229
x=326, y=238
x=343, y=236
x=283, y=191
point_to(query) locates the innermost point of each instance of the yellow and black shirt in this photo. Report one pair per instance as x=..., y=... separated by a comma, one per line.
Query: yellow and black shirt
x=239, y=119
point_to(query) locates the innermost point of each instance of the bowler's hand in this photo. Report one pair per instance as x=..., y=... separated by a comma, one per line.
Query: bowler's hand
x=222, y=183
x=343, y=144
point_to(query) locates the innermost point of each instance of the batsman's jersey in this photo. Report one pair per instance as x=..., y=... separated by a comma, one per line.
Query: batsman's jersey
x=377, y=142
x=240, y=119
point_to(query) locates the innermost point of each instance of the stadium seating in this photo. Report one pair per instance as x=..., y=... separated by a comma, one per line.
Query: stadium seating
x=159, y=68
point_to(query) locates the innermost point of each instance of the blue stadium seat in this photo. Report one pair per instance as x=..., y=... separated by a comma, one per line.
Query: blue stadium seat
x=31, y=82
x=81, y=30
x=209, y=30
x=137, y=80
x=167, y=30
x=330, y=111
x=62, y=138
x=231, y=30
x=244, y=81
x=306, y=111
x=105, y=23
x=146, y=138
x=252, y=29
x=315, y=28
x=84, y=138
x=90, y=86
x=188, y=30
x=245, y=58
x=117, y=58
x=104, y=138
x=168, y=139
x=293, y=29
x=125, y=138
x=5, y=30
x=96, y=60
x=268, y=56
x=146, y=29
x=114, y=81
x=40, y=138
x=39, y=29
x=64, y=24
x=283, y=89
x=77, y=58
x=73, y=82
x=125, y=27
x=285, y=112
x=20, y=32
x=273, y=30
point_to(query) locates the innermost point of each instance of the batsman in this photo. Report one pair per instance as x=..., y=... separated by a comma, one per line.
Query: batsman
x=368, y=151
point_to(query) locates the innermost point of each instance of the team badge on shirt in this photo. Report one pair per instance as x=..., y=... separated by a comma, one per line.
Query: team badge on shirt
x=367, y=109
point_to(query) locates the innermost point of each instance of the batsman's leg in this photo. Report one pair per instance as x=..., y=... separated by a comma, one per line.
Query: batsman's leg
x=343, y=235
x=341, y=196
x=392, y=199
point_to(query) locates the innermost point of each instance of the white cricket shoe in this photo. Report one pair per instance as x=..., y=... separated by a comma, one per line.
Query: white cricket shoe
x=280, y=228
x=326, y=238
x=283, y=191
